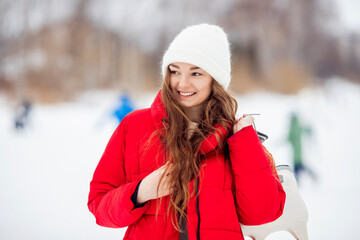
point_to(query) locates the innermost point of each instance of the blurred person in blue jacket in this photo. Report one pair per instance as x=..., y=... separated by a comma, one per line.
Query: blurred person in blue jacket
x=123, y=107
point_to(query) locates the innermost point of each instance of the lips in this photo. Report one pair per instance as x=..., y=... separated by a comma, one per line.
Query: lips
x=186, y=94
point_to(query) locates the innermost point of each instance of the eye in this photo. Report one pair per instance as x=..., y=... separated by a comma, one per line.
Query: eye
x=196, y=74
x=174, y=72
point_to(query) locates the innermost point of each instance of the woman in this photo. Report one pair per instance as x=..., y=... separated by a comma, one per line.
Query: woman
x=185, y=168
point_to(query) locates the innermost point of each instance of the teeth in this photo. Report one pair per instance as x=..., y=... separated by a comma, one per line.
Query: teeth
x=186, y=94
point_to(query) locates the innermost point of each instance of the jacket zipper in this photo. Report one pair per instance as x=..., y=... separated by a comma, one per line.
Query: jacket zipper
x=198, y=209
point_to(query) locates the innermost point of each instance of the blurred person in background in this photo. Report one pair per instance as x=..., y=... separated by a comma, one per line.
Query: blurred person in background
x=22, y=115
x=123, y=107
x=296, y=131
x=186, y=168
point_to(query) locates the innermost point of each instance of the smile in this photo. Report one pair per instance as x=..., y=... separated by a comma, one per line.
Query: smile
x=186, y=94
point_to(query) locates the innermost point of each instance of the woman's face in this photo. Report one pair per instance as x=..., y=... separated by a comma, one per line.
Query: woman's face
x=190, y=84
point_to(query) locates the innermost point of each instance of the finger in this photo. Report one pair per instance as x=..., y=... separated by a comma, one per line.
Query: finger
x=165, y=187
x=164, y=167
x=166, y=164
x=249, y=117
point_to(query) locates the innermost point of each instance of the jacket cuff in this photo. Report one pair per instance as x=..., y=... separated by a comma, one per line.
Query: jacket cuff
x=243, y=136
x=134, y=197
x=246, y=150
x=132, y=213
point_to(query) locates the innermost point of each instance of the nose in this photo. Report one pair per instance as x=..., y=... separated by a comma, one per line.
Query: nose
x=184, y=81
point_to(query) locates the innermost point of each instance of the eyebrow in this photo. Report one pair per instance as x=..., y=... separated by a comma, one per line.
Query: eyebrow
x=175, y=66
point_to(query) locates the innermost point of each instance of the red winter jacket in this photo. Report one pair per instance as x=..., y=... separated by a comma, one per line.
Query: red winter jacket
x=259, y=195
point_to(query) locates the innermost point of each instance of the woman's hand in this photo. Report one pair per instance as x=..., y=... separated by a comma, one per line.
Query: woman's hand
x=244, y=121
x=148, y=186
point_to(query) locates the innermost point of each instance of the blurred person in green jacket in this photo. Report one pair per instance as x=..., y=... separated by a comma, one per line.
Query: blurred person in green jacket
x=295, y=138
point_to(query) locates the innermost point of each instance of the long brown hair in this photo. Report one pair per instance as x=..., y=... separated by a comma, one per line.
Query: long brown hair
x=182, y=151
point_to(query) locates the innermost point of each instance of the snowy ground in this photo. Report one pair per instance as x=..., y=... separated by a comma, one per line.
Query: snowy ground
x=45, y=171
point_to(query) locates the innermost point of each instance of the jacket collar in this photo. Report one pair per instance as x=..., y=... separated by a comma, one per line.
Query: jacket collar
x=158, y=113
x=159, y=118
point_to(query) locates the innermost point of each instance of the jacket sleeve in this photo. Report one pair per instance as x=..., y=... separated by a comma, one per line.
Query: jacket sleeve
x=259, y=195
x=110, y=195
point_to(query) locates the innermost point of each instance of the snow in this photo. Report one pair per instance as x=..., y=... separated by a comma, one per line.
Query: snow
x=45, y=170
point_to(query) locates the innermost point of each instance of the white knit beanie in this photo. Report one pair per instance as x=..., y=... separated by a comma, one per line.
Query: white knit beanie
x=205, y=46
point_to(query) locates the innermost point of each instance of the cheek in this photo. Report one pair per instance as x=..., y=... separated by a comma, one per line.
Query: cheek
x=172, y=83
x=207, y=93
x=206, y=88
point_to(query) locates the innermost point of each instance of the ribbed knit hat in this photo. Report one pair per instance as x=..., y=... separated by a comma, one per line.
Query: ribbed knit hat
x=205, y=46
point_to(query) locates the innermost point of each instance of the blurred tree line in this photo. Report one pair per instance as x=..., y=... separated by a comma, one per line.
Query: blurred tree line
x=50, y=51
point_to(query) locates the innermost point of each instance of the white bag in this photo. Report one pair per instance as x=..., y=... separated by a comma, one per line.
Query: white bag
x=295, y=215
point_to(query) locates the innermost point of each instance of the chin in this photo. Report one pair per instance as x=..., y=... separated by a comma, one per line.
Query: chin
x=189, y=105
